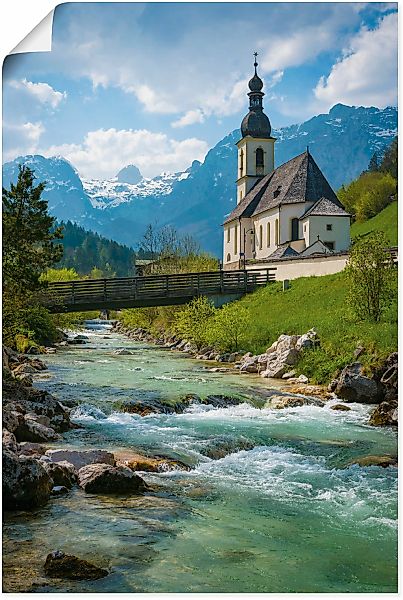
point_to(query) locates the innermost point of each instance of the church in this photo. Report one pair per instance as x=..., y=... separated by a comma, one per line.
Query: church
x=285, y=212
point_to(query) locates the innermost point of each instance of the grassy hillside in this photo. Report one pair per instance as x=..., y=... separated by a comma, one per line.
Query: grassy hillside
x=318, y=302
x=385, y=221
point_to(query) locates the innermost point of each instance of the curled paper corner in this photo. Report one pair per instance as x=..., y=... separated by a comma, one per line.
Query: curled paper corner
x=39, y=39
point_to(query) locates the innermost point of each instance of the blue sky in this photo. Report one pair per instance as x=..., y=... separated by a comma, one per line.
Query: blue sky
x=157, y=85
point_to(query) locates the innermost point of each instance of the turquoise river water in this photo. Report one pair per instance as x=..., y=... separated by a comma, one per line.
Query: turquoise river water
x=283, y=516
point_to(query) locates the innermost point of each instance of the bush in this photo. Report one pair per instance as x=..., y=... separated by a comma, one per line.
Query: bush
x=366, y=196
x=370, y=273
x=226, y=330
x=191, y=322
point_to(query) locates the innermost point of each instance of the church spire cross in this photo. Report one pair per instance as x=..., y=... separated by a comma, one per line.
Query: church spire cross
x=255, y=54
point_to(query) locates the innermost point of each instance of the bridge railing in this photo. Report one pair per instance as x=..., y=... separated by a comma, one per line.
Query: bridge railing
x=158, y=286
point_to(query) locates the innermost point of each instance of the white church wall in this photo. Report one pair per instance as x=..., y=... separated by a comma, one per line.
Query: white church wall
x=287, y=213
x=303, y=267
x=263, y=249
x=339, y=233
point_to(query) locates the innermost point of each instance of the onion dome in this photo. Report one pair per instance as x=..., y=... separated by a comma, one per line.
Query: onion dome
x=255, y=84
x=256, y=123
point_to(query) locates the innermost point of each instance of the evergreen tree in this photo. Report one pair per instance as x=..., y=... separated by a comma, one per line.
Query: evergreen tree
x=373, y=165
x=390, y=159
x=29, y=235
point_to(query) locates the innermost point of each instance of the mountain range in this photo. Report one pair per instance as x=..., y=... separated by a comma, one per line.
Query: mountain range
x=196, y=201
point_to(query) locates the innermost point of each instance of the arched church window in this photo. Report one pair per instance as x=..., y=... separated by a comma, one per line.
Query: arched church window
x=260, y=237
x=294, y=229
x=228, y=234
x=268, y=234
x=236, y=240
x=241, y=163
x=259, y=161
x=228, y=257
x=276, y=232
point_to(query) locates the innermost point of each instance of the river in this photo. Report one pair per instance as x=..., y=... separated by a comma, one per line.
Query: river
x=280, y=517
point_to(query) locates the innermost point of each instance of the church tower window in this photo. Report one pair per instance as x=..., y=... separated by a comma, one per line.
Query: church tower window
x=241, y=163
x=228, y=234
x=259, y=161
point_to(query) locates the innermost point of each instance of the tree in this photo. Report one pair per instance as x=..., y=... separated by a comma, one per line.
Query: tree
x=29, y=235
x=229, y=327
x=389, y=162
x=192, y=321
x=373, y=165
x=368, y=195
x=371, y=276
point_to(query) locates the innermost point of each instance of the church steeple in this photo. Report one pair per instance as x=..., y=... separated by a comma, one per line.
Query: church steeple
x=256, y=123
x=256, y=147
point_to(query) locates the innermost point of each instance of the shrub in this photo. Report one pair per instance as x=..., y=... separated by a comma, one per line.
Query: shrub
x=227, y=329
x=371, y=276
x=191, y=322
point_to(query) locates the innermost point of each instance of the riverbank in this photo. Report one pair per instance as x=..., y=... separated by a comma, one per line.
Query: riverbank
x=257, y=475
x=353, y=384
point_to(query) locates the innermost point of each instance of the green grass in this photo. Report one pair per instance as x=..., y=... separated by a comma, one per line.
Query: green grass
x=385, y=221
x=318, y=302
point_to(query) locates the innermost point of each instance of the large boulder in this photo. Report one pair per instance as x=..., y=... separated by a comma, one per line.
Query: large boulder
x=81, y=458
x=31, y=448
x=31, y=400
x=26, y=484
x=105, y=479
x=67, y=566
x=9, y=441
x=62, y=473
x=30, y=430
x=353, y=386
x=386, y=413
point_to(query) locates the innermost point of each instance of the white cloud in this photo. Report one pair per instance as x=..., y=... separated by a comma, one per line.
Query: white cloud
x=367, y=72
x=190, y=118
x=104, y=152
x=22, y=139
x=153, y=102
x=42, y=92
x=297, y=48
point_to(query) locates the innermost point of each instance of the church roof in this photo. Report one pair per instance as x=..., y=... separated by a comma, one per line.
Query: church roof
x=323, y=208
x=283, y=251
x=297, y=180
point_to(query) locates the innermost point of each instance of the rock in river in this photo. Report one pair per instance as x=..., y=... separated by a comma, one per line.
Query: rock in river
x=62, y=473
x=26, y=483
x=280, y=402
x=353, y=386
x=374, y=461
x=105, y=479
x=67, y=566
x=81, y=458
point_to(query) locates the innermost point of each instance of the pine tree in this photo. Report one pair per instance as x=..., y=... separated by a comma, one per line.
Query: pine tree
x=373, y=165
x=29, y=235
x=390, y=159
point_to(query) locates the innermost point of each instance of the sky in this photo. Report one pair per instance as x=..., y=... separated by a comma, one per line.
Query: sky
x=158, y=84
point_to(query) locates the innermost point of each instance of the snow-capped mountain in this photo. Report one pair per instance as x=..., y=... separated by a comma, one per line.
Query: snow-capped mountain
x=112, y=192
x=196, y=201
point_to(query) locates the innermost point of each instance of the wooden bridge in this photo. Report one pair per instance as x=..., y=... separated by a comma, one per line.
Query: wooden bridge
x=153, y=290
